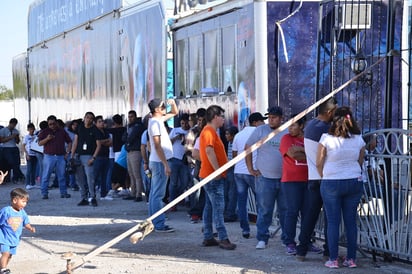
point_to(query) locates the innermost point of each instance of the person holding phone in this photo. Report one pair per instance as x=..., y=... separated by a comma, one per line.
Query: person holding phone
x=54, y=140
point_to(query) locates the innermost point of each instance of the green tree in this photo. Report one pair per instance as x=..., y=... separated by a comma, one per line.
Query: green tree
x=5, y=93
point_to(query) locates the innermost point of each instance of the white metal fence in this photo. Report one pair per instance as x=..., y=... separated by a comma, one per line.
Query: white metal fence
x=385, y=212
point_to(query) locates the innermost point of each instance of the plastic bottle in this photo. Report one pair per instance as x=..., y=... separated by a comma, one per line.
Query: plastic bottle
x=148, y=173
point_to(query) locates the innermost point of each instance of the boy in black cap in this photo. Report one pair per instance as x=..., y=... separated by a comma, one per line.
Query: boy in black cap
x=256, y=117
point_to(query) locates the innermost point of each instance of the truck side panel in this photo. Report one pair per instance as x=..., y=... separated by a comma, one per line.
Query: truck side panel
x=116, y=65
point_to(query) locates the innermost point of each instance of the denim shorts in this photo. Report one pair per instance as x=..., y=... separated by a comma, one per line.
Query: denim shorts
x=9, y=249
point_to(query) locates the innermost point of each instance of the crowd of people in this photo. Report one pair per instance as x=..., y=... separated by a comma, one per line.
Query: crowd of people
x=310, y=165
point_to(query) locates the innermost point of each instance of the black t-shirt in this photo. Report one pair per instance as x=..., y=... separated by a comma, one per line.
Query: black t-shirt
x=117, y=133
x=104, y=150
x=86, y=140
x=134, y=136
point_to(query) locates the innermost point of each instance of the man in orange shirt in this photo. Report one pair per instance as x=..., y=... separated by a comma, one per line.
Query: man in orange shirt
x=213, y=156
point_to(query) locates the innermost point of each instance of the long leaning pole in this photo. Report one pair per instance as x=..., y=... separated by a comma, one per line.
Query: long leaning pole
x=142, y=229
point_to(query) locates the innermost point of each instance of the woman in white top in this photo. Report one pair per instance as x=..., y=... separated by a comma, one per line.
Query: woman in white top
x=339, y=162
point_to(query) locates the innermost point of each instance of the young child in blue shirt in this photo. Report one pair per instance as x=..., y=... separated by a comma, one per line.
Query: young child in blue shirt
x=12, y=220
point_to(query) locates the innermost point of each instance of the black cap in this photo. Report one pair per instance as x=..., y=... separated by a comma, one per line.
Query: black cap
x=256, y=116
x=155, y=103
x=274, y=111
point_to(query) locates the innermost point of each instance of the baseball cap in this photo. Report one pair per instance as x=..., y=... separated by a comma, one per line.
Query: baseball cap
x=274, y=111
x=155, y=103
x=256, y=116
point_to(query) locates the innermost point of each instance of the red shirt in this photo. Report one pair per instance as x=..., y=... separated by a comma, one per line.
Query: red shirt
x=55, y=146
x=293, y=170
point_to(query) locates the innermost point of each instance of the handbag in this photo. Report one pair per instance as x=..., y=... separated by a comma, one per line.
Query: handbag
x=71, y=166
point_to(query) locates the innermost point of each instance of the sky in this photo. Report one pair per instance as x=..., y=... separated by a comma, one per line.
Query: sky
x=13, y=33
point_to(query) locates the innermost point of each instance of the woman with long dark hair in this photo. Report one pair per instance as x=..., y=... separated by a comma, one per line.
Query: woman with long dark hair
x=339, y=161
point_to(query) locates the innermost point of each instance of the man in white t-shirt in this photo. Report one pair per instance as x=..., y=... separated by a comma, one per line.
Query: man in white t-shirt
x=31, y=159
x=244, y=180
x=179, y=179
x=161, y=151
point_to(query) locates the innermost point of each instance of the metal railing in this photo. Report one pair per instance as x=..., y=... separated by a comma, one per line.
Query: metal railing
x=385, y=212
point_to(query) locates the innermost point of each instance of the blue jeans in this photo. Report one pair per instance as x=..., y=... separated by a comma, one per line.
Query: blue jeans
x=85, y=178
x=214, y=208
x=71, y=178
x=109, y=174
x=101, y=166
x=39, y=169
x=230, y=195
x=145, y=181
x=267, y=193
x=72, y=181
x=296, y=197
x=341, y=198
x=157, y=192
x=12, y=156
x=307, y=225
x=31, y=171
x=179, y=179
x=243, y=183
x=197, y=201
x=58, y=164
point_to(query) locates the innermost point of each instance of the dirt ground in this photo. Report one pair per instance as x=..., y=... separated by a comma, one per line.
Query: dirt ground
x=63, y=226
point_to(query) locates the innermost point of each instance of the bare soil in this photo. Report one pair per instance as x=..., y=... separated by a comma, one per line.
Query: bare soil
x=62, y=226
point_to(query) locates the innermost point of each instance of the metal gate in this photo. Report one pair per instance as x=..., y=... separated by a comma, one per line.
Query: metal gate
x=352, y=36
x=385, y=216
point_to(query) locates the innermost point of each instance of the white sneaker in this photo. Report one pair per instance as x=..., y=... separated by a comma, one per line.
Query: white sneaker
x=124, y=192
x=113, y=193
x=28, y=187
x=107, y=198
x=261, y=245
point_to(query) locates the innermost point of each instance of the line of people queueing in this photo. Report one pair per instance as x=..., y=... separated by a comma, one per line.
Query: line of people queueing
x=300, y=170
